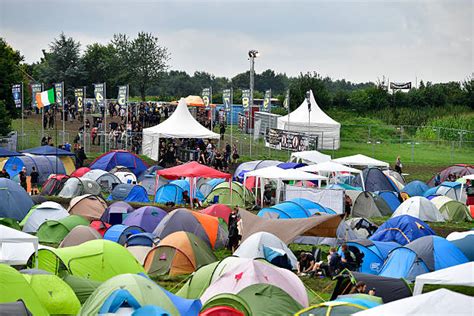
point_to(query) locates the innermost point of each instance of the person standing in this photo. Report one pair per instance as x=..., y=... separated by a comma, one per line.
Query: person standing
x=22, y=177
x=80, y=157
x=4, y=174
x=398, y=165
x=234, y=236
x=34, y=181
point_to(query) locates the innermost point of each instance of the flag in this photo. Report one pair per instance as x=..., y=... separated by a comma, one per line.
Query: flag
x=267, y=101
x=245, y=99
x=286, y=102
x=79, y=94
x=45, y=98
x=35, y=88
x=17, y=93
x=206, y=97
x=122, y=95
x=59, y=88
x=308, y=100
x=226, y=99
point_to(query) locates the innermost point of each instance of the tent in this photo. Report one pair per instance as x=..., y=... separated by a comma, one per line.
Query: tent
x=139, y=252
x=374, y=253
x=324, y=225
x=129, y=193
x=141, y=239
x=309, y=157
x=116, y=212
x=173, y=192
x=369, y=205
x=120, y=233
x=415, y=188
x=457, y=275
x=54, y=294
x=41, y=213
x=256, y=299
x=294, y=208
x=89, y=206
x=44, y=165
x=241, y=196
x=452, y=210
x=439, y=302
x=425, y=254
x=15, y=201
x=79, y=235
x=419, y=207
x=257, y=272
x=178, y=253
x=143, y=291
x=146, y=217
x=115, y=158
x=360, y=160
x=268, y=246
x=218, y=210
x=342, y=305
x=204, y=226
x=251, y=166
x=54, y=184
x=464, y=241
x=65, y=156
x=151, y=171
x=402, y=229
x=106, y=180
x=389, y=289
x=80, y=172
x=452, y=190
x=14, y=287
x=15, y=246
x=79, y=186
x=314, y=122
x=391, y=199
x=373, y=180
x=100, y=226
x=206, y=187
x=96, y=260
x=458, y=170
x=181, y=124
x=332, y=170
x=54, y=231
x=150, y=184
x=17, y=308
x=394, y=175
x=344, y=233
x=126, y=177
x=361, y=226
x=4, y=153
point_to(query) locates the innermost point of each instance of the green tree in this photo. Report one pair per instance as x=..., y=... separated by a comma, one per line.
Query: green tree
x=305, y=82
x=5, y=119
x=10, y=74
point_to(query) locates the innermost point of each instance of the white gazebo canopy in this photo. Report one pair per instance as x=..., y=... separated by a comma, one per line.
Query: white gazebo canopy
x=462, y=274
x=181, y=124
x=309, y=157
x=362, y=161
x=16, y=247
x=329, y=168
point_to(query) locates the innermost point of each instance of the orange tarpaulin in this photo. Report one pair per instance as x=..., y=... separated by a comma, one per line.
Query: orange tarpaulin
x=195, y=100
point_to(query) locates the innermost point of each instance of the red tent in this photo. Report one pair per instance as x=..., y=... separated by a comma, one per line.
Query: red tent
x=218, y=210
x=80, y=172
x=192, y=169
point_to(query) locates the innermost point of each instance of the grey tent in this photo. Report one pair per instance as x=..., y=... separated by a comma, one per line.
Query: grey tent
x=362, y=227
x=106, y=180
x=79, y=186
x=17, y=308
x=365, y=205
x=344, y=233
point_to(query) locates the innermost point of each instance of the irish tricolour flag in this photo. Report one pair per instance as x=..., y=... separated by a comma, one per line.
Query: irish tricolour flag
x=45, y=98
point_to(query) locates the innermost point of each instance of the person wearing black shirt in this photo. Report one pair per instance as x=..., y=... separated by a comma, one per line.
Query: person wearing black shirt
x=4, y=174
x=348, y=260
x=234, y=236
x=186, y=197
x=22, y=176
x=305, y=263
x=34, y=181
x=80, y=157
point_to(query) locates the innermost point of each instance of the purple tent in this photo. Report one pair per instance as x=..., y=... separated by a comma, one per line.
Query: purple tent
x=115, y=213
x=146, y=217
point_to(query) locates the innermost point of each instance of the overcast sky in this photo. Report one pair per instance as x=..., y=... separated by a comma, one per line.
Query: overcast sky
x=356, y=40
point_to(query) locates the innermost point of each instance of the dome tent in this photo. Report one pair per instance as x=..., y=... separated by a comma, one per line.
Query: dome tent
x=54, y=184
x=129, y=193
x=115, y=158
x=79, y=235
x=120, y=233
x=375, y=253
x=368, y=205
x=241, y=196
x=79, y=172
x=146, y=217
x=126, y=177
x=79, y=186
x=390, y=198
x=206, y=187
x=452, y=190
x=319, y=123
x=218, y=210
x=173, y=192
x=116, y=212
x=415, y=188
x=44, y=165
x=15, y=201
x=54, y=231
x=374, y=180
x=402, y=229
x=89, y=206
x=453, y=211
x=41, y=213
x=419, y=207
x=106, y=180
x=458, y=170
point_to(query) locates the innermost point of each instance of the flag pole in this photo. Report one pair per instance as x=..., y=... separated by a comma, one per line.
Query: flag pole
x=64, y=112
x=231, y=123
x=105, y=118
x=84, y=111
x=42, y=114
x=22, y=117
x=126, y=121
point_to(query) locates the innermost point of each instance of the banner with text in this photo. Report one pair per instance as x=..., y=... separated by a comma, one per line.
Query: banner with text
x=99, y=94
x=206, y=97
x=286, y=102
x=122, y=97
x=246, y=99
x=79, y=95
x=286, y=140
x=17, y=93
x=227, y=99
x=267, y=101
x=59, y=93
x=35, y=88
x=400, y=85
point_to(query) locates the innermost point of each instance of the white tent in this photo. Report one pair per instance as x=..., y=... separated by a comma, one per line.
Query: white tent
x=332, y=169
x=309, y=157
x=419, y=207
x=440, y=302
x=459, y=235
x=181, y=124
x=462, y=274
x=316, y=122
x=16, y=247
x=43, y=212
x=362, y=161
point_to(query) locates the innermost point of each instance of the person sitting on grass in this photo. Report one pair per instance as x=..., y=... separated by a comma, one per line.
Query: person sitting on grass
x=305, y=263
x=348, y=259
x=332, y=266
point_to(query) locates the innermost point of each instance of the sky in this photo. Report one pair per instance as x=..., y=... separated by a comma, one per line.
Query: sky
x=360, y=41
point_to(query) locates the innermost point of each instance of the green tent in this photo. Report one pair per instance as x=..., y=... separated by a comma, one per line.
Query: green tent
x=83, y=288
x=221, y=194
x=53, y=231
x=257, y=299
x=455, y=211
x=10, y=222
x=332, y=308
x=55, y=295
x=95, y=259
x=23, y=221
x=144, y=290
x=14, y=287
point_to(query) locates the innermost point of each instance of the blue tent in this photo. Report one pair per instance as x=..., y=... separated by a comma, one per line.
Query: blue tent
x=45, y=165
x=425, y=254
x=359, y=299
x=184, y=306
x=151, y=171
x=129, y=193
x=48, y=151
x=15, y=202
x=173, y=192
x=296, y=208
x=209, y=185
x=120, y=233
x=291, y=165
x=415, y=188
x=342, y=186
x=449, y=189
x=402, y=229
x=465, y=244
x=120, y=158
x=375, y=253
x=7, y=153
x=391, y=199
x=141, y=239
x=374, y=180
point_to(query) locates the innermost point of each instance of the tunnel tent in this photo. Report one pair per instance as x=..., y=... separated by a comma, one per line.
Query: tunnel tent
x=44, y=165
x=41, y=213
x=65, y=156
x=106, y=180
x=129, y=193
x=74, y=187
x=295, y=208
x=115, y=158
x=15, y=202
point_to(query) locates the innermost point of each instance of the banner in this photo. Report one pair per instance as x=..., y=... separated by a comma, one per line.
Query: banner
x=400, y=85
x=35, y=88
x=286, y=140
x=226, y=99
x=17, y=93
x=122, y=97
x=79, y=95
x=267, y=101
x=286, y=102
x=246, y=99
x=99, y=89
x=308, y=100
x=59, y=93
x=206, y=97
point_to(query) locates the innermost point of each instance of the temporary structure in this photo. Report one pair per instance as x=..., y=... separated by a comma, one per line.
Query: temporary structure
x=65, y=156
x=309, y=157
x=314, y=121
x=89, y=206
x=181, y=124
x=329, y=168
x=41, y=213
x=120, y=158
x=16, y=247
x=419, y=207
x=79, y=235
x=15, y=202
x=457, y=275
x=360, y=160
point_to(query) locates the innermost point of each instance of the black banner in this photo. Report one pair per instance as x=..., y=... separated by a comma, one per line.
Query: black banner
x=206, y=97
x=59, y=93
x=122, y=97
x=35, y=88
x=245, y=99
x=286, y=140
x=79, y=95
x=267, y=101
x=99, y=90
x=400, y=86
x=17, y=93
x=226, y=99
